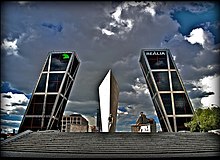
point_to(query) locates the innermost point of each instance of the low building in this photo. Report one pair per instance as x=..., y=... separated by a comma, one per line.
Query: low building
x=93, y=128
x=148, y=127
x=74, y=123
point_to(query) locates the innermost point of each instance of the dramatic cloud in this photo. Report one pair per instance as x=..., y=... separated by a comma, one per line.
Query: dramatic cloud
x=13, y=106
x=199, y=94
x=199, y=36
x=118, y=26
x=16, y=104
x=107, y=32
x=211, y=84
x=7, y=96
x=109, y=35
x=196, y=36
x=10, y=47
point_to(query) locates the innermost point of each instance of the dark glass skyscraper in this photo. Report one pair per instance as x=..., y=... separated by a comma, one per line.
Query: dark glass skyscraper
x=167, y=91
x=49, y=98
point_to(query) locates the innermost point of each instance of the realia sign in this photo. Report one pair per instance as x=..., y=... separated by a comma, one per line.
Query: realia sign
x=151, y=53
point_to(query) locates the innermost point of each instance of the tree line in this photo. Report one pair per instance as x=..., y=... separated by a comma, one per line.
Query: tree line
x=205, y=120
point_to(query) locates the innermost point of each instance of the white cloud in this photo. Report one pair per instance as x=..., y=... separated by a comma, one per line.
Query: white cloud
x=198, y=35
x=7, y=129
x=140, y=88
x=210, y=84
x=150, y=9
x=107, y=32
x=119, y=112
x=12, y=105
x=10, y=47
x=158, y=127
x=207, y=84
x=121, y=25
x=23, y=2
x=10, y=121
x=105, y=52
x=117, y=14
x=135, y=4
x=17, y=101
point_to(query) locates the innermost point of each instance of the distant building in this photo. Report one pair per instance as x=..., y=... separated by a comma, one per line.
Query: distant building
x=108, y=100
x=74, y=123
x=93, y=129
x=144, y=124
x=49, y=97
x=167, y=91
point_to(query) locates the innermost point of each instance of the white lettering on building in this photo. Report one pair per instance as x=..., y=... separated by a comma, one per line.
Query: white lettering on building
x=155, y=52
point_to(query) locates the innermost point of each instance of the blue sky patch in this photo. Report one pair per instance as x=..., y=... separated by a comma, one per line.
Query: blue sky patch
x=6, y=87
x=123, y=109
x=189, y=21
x=12, y=117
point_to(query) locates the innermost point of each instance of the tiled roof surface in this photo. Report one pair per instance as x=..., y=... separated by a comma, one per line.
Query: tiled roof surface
x=112, y=145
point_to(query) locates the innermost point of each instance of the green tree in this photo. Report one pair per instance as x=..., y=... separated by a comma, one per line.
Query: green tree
x=205, y=119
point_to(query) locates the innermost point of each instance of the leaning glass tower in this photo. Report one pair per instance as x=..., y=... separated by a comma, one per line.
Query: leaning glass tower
x=49, y=97
x=167, y=90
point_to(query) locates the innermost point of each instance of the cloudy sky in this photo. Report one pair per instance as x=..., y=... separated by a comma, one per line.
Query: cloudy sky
x=107, y=35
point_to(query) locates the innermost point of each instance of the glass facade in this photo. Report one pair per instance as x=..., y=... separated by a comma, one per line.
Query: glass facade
x=181, y=121
x=162, y=81
x=36, y=105
x=49, y=104
x=176, y=82
x=55, y=80
x=171, y=122
x=59, y=62
x=48, y=101
x=157, y=62
x=181, y=104
x=166, y=98
x=42, y=83
x=169, y=97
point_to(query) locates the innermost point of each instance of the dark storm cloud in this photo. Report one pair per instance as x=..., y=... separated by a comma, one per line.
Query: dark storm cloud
x=57, y=28
x=24, y=103
x=9, y=124
x=17, y=111
x=77, y=26
x=7, y=96
x=10, y=121
x=190, y=86
x=86, y=107
x=193, y=59
x=6, y=87
x=199, y=94
x=124, y=122
x=11, y=117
